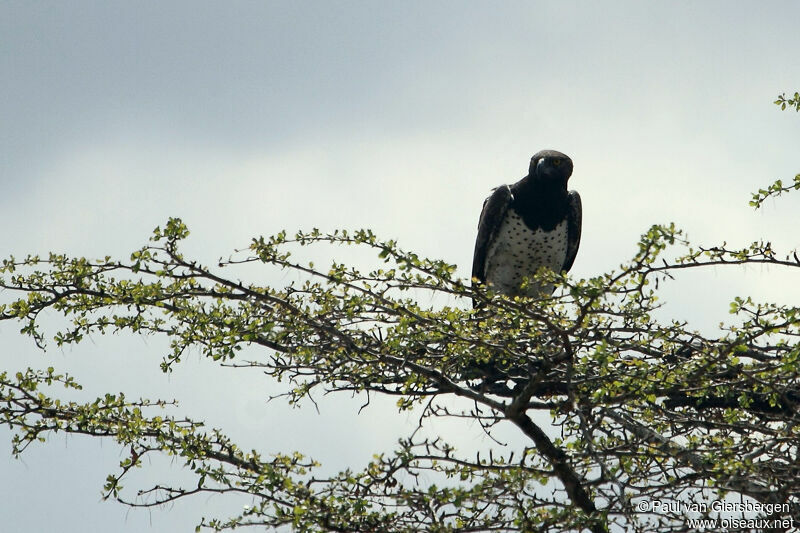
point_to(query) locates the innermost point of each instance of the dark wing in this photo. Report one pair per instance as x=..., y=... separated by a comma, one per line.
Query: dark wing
x=494, y=210
x=574, y=216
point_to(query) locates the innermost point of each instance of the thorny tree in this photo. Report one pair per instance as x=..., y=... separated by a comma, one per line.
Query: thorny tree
x=644, y=410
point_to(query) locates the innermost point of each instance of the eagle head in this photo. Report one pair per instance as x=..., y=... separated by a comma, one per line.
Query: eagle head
x=549, y=165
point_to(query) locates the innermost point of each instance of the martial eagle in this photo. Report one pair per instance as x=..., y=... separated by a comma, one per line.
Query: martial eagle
x=532, y=223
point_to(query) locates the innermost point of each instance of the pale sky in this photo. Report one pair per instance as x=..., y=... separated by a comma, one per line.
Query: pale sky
x=245, y=118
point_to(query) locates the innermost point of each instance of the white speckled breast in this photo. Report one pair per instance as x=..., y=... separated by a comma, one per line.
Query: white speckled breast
x=518, y=252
